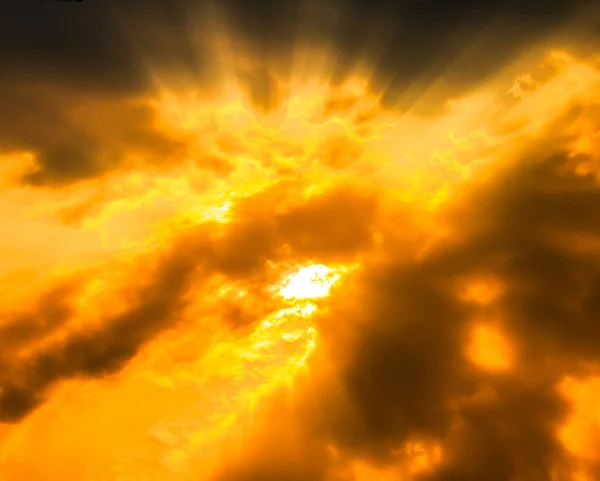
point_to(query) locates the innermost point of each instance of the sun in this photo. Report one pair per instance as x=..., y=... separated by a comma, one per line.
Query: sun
x=310, y=282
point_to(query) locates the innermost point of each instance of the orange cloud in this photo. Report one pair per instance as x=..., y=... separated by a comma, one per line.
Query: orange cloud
x=290, y=277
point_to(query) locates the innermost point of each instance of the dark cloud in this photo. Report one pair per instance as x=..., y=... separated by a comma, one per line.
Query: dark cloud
x=51, y=311
x=429, y=51
x=302, y=227
x=508, y=436
x=69, y=44
x=104, y=350
x=408, y=376
x=265, y=228
x=75, y=137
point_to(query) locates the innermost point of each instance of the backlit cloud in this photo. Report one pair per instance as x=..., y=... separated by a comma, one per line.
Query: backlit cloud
x=308, y=242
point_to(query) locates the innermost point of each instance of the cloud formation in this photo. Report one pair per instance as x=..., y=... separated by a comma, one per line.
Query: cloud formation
x=158, y=197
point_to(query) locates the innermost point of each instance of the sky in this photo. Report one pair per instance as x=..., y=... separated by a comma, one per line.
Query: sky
x=300, y=241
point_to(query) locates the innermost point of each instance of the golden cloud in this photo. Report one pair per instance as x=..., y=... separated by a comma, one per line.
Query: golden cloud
x=283, y=278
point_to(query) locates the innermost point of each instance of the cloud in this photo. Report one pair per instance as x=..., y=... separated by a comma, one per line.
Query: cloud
x=395, y=344
x=237, y=250
x=74, y=47
x=49, y=314
x=75, y=136
x=192, y=169
x=96, y=352
x=114, y=54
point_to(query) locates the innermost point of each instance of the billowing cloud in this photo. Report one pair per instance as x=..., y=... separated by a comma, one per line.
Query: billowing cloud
x=300, y=242
x=513, y=272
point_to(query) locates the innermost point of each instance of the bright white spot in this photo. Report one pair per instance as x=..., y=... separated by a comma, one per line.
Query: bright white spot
x=309, y=282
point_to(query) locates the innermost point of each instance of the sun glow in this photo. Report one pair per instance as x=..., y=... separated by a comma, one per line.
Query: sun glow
x=245, y=371
x=245, y=213
x=310, y=282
